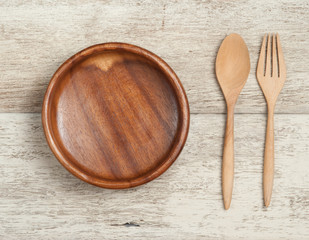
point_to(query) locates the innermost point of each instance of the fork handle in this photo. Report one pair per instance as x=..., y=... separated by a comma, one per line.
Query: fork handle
x=228, y=159
x=268, y=175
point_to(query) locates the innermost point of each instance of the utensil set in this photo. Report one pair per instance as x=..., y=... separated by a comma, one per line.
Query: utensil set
x=116, y=115
x=232, y=70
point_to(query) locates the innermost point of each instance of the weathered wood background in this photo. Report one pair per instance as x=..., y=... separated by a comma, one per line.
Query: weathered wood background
x=39, y=199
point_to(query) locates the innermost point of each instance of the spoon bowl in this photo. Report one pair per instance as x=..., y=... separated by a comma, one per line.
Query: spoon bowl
x=232, y=66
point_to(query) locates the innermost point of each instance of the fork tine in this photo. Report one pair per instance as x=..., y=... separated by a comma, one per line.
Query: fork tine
x=274, y=59
x=282, y=69
x=261, y=63
x=268, y=54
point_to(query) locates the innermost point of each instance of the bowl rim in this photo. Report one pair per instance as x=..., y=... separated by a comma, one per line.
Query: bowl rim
x=180, y=137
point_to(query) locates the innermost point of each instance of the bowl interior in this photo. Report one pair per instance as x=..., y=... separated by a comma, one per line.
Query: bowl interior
x=114, y=116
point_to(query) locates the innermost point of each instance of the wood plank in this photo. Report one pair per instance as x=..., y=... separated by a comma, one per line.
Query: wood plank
x=40, y=199
x=36, y=37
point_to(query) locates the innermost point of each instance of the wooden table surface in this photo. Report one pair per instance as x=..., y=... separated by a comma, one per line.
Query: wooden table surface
x=39, y=199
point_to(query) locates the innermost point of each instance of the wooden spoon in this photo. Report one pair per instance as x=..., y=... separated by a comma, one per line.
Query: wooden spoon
x=232, y=70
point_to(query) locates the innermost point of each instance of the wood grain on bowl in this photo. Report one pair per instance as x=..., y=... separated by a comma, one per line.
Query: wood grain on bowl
x=115, y=115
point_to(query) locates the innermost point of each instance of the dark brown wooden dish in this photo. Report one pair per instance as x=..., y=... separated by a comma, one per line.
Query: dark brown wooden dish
x=115, y=115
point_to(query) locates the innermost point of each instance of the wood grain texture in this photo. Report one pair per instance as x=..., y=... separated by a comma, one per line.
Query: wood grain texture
x=115, y=115
x=37, y=36
x=40, y=199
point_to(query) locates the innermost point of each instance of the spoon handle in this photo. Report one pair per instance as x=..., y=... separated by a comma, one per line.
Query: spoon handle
x=268, y=175
x=228, y=159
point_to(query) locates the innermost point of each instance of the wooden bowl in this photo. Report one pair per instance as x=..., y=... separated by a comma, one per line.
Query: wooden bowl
x=115, y=115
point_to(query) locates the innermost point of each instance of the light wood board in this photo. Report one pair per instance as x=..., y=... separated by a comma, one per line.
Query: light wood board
x=39, y=199
x=37, y=36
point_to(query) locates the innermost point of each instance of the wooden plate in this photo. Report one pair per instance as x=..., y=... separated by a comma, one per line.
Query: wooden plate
x=115, y=115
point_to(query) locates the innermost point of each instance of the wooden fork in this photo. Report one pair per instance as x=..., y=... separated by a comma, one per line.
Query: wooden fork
x=271, y=75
